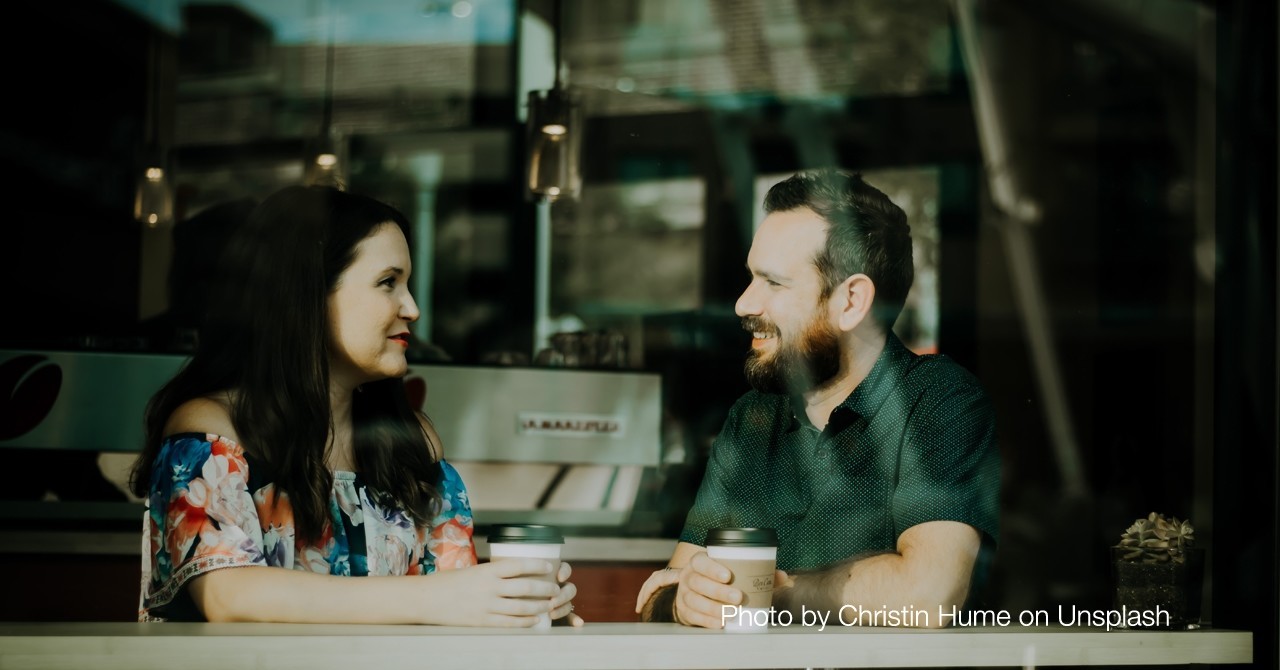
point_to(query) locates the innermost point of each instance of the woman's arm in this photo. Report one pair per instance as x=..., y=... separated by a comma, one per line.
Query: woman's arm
x=501, y=594
x=493, y=594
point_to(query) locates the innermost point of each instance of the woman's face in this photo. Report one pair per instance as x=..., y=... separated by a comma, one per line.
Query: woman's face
x=370, y=310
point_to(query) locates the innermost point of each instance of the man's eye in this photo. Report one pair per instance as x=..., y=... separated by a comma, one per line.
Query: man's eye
x=772, y=282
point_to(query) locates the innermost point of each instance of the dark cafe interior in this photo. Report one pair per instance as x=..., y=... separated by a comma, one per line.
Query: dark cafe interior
x=1091, y=188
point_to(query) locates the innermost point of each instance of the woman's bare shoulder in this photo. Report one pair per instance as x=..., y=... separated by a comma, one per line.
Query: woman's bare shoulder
x=208, y=414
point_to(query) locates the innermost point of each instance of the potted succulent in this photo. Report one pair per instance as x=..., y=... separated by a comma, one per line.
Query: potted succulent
x=1158, y=568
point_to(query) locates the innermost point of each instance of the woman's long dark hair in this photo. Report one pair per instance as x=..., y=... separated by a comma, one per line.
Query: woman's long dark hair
x=266, y=338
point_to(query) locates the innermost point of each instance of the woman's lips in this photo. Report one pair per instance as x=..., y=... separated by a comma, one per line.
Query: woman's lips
x=402, y=338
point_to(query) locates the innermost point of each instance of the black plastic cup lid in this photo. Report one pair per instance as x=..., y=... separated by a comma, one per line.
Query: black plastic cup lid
x=742, y=537
x=525, y=534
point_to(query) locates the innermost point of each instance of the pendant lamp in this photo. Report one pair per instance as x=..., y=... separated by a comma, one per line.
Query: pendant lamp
x=326, y=161
x=153, y=193
x=554, y=134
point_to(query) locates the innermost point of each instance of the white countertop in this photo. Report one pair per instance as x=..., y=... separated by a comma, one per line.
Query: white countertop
x=601, y=646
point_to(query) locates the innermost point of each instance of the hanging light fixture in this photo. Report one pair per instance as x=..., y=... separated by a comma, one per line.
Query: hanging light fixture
x=153, y=195
x=555, y=134
x=326, y=161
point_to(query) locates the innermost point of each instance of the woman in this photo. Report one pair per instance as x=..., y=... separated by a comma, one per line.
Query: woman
x=288, y=442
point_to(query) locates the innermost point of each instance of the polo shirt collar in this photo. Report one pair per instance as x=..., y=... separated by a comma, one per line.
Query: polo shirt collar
x=890, y=367
x=867, y=397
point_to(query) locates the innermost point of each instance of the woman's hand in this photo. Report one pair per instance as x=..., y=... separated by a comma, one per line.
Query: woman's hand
x=562, y=604
x=499, y=593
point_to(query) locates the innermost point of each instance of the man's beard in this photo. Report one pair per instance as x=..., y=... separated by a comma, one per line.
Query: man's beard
x=793, y=368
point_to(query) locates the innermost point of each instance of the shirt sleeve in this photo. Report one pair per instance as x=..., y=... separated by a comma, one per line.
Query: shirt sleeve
x=950, y=462
x=449, y=543
x=201, y=517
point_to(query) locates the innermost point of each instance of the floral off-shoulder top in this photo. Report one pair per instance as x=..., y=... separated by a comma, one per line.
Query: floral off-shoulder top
x=207, y=511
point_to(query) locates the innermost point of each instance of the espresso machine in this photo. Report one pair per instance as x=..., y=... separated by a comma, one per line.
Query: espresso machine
x=559, y=446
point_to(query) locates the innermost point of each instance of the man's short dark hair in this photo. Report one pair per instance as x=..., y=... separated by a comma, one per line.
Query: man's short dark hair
x=866, y=233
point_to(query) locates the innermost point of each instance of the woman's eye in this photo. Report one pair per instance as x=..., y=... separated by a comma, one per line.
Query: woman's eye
x=389, y=282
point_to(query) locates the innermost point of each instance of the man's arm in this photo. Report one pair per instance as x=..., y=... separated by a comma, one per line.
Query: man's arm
x=946, y=500
x=930, y=570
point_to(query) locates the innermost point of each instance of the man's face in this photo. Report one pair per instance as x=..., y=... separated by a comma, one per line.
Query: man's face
x=795, y=345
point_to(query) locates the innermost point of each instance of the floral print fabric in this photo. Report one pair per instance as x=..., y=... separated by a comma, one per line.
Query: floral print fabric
x=204, y=514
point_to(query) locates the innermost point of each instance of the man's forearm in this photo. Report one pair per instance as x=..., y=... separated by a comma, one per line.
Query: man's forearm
x=824, y=589
x=887, y=580
x=661, y=608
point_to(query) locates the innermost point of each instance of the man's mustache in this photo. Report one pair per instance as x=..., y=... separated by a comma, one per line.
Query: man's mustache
x=758, y=324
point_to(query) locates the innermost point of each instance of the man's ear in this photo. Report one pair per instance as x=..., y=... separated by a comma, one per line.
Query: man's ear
x=855, y=297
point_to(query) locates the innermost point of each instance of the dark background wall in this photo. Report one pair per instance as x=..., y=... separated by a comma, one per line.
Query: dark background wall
x=72, y=123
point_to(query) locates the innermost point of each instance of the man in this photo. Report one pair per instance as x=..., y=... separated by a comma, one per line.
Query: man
x=878, y=468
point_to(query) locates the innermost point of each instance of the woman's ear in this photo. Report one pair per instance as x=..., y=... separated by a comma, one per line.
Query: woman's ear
x=856, y=295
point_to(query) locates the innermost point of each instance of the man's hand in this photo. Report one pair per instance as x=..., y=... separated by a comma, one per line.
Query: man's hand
x=704, y=591
x=701, y=592
x=667, y=576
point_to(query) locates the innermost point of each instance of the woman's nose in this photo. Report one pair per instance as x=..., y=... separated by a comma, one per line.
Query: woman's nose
x=409, y=309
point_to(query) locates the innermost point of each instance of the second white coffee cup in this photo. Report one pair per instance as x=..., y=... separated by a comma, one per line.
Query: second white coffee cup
x=528, y=541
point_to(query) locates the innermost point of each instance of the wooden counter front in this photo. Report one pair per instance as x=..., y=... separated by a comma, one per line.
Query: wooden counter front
x=602, y=646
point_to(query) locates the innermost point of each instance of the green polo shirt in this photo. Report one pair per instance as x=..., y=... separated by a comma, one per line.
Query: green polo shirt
x=914, y=442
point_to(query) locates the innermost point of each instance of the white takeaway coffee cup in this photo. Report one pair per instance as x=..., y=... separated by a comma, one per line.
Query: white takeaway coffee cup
x=751, y=555
x=528, y=541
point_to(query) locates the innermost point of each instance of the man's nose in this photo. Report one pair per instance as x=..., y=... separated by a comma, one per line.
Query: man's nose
x=748, y=304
